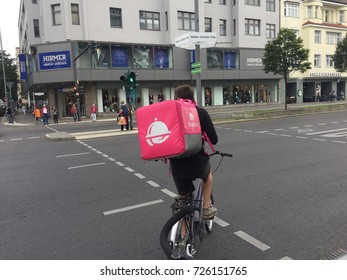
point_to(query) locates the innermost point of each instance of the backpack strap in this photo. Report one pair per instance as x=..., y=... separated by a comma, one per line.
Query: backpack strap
x=205, y=137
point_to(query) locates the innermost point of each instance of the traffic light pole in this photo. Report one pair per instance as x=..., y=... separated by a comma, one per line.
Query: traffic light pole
x=76, y=81
x=129, y=79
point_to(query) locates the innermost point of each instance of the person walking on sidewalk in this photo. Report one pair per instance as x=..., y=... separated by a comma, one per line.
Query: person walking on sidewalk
x=93, y=112
x=9, y=114
x=74, y=112
x=45, y=114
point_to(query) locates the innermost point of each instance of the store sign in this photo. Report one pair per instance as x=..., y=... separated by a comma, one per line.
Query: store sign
x=325, y=74
x=254, y=61
x=55, y=60
x=191, y=39
x=23, y=66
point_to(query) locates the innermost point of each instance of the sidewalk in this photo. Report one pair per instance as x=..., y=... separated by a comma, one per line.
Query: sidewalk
x=219, y=113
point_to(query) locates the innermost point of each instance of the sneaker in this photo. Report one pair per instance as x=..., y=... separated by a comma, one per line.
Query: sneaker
x=208, y=213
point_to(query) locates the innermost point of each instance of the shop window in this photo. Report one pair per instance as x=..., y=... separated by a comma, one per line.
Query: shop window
x=143, y=57
x=163, y=58
x=214, y=59
x=100, y=55
x=121, y=56
x=208, y=96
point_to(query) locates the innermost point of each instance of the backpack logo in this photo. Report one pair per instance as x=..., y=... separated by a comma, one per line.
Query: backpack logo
x=157, y=133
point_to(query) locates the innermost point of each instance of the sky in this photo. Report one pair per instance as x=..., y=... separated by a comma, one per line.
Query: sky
x=9, y=11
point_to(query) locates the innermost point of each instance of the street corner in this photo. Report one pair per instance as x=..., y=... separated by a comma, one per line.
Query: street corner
x=60, y=136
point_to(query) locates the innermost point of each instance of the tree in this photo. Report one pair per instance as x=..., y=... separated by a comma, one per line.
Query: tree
x=340, y=56
x=285, y=55
x=10, y=73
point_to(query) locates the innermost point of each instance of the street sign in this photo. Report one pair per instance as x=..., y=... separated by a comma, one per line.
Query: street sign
x=191, y=39
x=196, y=68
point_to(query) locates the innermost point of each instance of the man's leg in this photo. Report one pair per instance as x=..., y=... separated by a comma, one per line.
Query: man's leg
x=208, y=210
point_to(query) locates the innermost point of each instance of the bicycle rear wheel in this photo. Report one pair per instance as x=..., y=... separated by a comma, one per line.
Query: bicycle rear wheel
x=181, y=244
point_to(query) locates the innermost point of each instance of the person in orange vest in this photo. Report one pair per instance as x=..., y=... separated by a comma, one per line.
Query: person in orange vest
x=37, y=113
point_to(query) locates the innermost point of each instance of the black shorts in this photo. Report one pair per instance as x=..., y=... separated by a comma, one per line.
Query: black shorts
x=187, y=169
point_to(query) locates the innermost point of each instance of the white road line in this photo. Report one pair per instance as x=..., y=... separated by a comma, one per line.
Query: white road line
x=271, y=133
x=340, y=142
x=72, y=155
x=16, y=139
x=260, y=245
x=261, y=132
x=153, y=184
x=309, y=125
x=34, y=137
x=220, y=222
x=105, y=156
x=111, y=159
x=115, y=211
x=326, y=131
x=129, y=169
x=139, y=176
x=322, y=124
x=246, y=130
x=318, y=139
x=335, y=122
x=294, y=127
x=119, y=163
x=286, y=258
x=286, y=135
x=237, y=129
x=279, y=129
x=86, y=165
x=301, y=137
x=2, y=140
x=169, y=193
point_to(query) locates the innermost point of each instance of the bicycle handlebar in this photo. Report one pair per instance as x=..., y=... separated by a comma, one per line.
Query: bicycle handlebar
x=222, y=154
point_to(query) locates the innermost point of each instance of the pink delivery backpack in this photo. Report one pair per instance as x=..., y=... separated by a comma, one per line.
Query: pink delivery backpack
x=169, y=129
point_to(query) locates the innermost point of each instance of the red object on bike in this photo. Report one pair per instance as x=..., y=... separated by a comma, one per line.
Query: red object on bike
x=169, y=129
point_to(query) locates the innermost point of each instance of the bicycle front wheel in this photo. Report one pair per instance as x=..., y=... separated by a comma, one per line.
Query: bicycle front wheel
x=177, y=235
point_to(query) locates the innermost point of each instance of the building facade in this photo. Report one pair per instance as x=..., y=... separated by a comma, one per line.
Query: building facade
x=93, y=43
x=321, y=25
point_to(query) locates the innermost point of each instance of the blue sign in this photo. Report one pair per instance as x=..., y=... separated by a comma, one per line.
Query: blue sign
x=229, y=60
x=55, y=60
x=23, y=66
x=120, y=57
x=161, y=57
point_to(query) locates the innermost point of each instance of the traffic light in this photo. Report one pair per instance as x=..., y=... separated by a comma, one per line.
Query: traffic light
x=132, y=79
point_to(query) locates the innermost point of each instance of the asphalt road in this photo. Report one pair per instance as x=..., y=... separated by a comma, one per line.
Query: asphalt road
x=282, y=195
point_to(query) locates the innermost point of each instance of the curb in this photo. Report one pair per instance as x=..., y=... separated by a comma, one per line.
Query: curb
x=60, y=136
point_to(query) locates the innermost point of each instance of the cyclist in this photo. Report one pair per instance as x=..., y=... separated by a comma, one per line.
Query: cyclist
x=186, y=169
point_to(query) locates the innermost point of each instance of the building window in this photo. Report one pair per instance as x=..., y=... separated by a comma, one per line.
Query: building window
x=36, y=28
x=252, y=27
x=333, y=38
x=270, y=5
x=270, y=31
x=208, y=24
x=291, y=9
x=75, y=14
x=309, y=12
x=222, y=27
x=207, y=1
x=222, y=2
x=252, y=2
x=341, y=16
x=116, y=17
x=34, y=1
x=317, y=37
x=149, y=21
x=316, y=62
x=329, y=60
x=328, y=15
x=186, y=21
x=56, y=14
x=143, y=57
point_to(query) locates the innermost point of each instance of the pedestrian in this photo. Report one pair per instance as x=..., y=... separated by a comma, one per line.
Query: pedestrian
x=37, y=113
x=55, y=114
x=186, y=169
x=45, y=114
x=9, y=114
x=24, y=109
x=93, y=112
x=74, y=112
x=124, y=112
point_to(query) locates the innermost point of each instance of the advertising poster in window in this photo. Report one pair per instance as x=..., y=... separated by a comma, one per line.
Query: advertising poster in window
x=55, y=60
x=142, y=57
x=161, y=57
x=23, y=66
x=229, y=60
x=120, y=57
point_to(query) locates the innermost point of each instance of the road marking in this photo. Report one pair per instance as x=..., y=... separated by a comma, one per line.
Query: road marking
x=286, y=135
x=139, y=176
x=105, y=156
x=271, y=133
x=279, y=129
x=153, y=184
x=322, y=124
x=318, y=139
x=326, y=131
x=264, y=131
x=301, y=137
x=72, y=155
x=119, y=163
x=340, y=142
x=129, y=169
x=220, y=222
x=169, y=193
x=111, y=159
x=34, y=137
x=86, y=165
x=115, y=211
x=16, y=139
x=246, y=130
x=294, y=127
x=260, y=245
